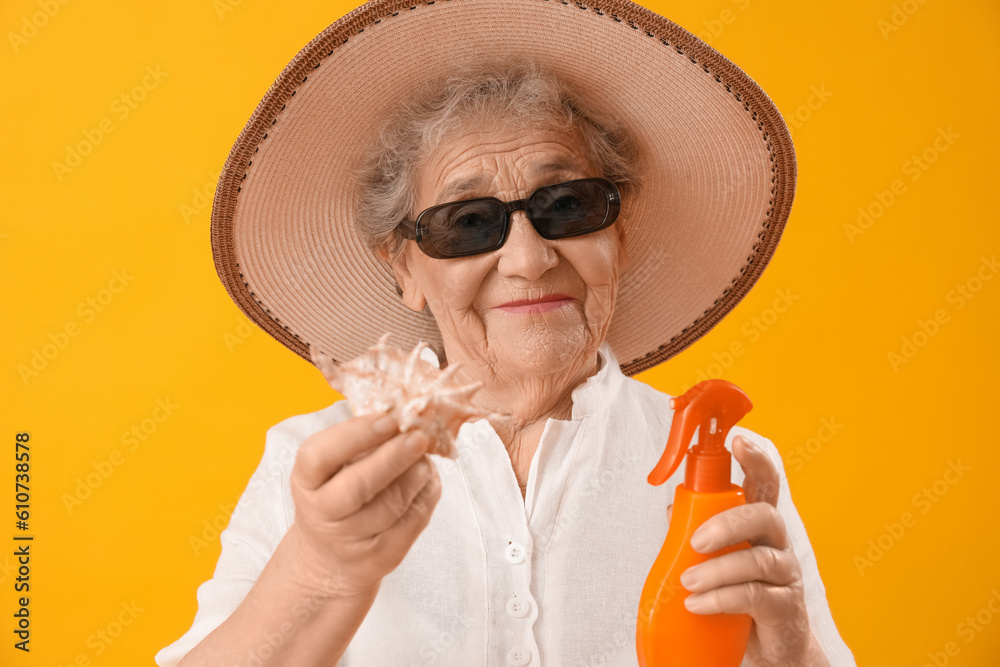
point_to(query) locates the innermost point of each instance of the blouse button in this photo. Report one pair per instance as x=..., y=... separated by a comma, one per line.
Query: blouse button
x=517, y=607
x=515, y=553
x=518, y=657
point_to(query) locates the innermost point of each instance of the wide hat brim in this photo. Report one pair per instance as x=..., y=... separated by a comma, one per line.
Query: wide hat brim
x=718, y=176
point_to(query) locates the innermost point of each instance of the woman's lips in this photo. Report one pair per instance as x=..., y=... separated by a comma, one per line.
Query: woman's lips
x=541, y=305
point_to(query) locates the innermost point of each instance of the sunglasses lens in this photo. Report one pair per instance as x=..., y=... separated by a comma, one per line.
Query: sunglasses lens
x=464, y=228
x=474, y=226
x=568, y=209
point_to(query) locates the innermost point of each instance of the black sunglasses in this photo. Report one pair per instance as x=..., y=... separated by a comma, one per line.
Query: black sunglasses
x=475, y=226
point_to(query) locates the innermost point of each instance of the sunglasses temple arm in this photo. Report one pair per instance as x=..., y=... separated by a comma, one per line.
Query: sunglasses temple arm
x=409, y=229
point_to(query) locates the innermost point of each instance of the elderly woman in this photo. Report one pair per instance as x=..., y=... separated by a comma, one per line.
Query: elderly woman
x=528, y=223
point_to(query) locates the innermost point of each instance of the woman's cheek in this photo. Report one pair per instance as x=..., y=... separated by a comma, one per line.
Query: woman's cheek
x=446, y=285
x=602, y=289
x=455, y=289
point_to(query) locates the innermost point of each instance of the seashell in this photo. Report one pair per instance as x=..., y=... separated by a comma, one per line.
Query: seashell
x=420, y=395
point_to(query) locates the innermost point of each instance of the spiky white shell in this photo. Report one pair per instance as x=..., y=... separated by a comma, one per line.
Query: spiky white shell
x=420, y=395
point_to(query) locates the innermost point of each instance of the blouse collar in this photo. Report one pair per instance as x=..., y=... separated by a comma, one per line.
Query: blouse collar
x=600, y=389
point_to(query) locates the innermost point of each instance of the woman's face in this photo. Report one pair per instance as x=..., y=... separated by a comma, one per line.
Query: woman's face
x=566, y=288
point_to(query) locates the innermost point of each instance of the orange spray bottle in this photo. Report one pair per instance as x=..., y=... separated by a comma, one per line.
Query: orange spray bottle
x=667, y=634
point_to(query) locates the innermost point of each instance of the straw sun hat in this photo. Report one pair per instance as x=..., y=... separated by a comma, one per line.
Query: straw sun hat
x=716, y=191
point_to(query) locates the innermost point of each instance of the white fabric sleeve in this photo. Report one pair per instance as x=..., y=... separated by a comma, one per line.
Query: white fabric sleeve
x=820, y=619
x=257, y=525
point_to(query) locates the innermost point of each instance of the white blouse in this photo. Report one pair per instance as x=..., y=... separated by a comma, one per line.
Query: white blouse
x=495, y=580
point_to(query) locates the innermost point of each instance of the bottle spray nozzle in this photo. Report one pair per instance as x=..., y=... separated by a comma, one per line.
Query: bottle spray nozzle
x=712, y=407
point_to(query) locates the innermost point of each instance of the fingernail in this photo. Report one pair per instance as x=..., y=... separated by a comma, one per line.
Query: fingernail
x=695, y=603
x=385, y=425
x=416, y=441
x=690, y=579
x=699, y=541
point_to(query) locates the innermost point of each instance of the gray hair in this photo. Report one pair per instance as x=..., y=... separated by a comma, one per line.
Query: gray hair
x=517, y=94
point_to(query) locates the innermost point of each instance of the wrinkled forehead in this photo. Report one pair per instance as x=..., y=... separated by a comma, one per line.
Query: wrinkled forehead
x=488, y=161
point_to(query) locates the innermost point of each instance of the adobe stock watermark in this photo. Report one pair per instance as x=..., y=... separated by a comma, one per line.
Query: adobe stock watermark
x=122, y=107
x=927, y=329
x=714, y=27
x=923, y=501
x=970, y=628
x=657, y=257
x=596, y=488
x=132, y=440
x=211, y=529
x=32, y=23
x=752, y=329
x=454, y=634
x=237, y=336
x=818, y=97
x=793, y=634
x=59, y=340
x=623, y=638
x=101, y=640
x=201, y=199
x=271, y=644
x=898, y=17
x=223, y=7
x=7, y=569
x=470, y=441
x=828, y=428
x=913, y=168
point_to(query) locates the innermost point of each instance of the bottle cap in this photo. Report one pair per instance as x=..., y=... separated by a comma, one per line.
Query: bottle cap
x=713, y=407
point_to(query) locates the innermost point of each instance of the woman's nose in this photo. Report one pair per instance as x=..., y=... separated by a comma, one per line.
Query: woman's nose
x=525, y=253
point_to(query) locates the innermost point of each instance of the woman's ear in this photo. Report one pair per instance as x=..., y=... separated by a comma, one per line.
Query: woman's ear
x=413, y=297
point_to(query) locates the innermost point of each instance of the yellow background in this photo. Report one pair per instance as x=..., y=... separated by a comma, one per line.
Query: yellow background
x=861, y=100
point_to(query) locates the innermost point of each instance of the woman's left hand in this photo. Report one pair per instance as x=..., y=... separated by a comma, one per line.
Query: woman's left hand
x=765, y=580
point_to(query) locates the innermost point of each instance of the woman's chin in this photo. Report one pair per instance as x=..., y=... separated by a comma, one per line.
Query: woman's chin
x=541, y=351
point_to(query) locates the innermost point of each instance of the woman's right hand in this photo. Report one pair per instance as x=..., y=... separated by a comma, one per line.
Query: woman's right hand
x=363, y=492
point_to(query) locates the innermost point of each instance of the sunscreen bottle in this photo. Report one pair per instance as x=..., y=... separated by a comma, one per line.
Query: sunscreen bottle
x=667, y=634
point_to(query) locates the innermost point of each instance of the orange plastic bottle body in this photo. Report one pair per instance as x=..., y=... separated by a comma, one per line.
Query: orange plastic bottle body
x=667, y=634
